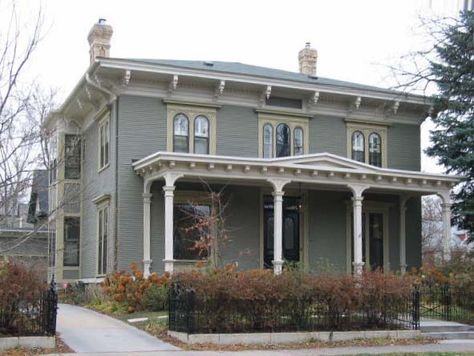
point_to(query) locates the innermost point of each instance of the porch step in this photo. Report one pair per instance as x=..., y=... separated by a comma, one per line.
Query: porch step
x=465, y=335
x=454, y=327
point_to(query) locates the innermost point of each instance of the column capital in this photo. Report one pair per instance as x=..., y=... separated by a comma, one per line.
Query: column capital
x=358, y=189
x=278, y=194
x=278, y=183
x=171, y=178
x=167, y=188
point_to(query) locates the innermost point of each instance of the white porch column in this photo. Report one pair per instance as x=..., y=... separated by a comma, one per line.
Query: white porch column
x=446, y=208
x=169, y=205
x=277, y=231
x=146, y=234
x=168, y=188
x=357, y=198
x=278, y=193
x=403, y=251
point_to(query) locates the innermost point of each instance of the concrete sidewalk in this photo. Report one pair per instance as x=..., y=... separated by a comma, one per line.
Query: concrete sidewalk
x=84, y=330
x=457, y=346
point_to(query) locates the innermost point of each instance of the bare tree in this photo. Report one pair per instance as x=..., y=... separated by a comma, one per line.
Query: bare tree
x=18, y=133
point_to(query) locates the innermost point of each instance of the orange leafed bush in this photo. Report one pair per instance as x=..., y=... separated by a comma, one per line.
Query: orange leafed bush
x=130, y=288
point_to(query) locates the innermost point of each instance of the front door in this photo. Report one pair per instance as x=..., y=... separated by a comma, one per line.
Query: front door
x=290, y=230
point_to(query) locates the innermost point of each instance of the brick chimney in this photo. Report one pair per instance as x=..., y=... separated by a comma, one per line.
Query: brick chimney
x=99, y=40
x=307, y=59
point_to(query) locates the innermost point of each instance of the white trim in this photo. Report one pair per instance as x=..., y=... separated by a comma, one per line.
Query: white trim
x=343, y=88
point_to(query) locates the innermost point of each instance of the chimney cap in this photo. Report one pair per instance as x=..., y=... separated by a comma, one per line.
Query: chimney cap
x=307, y=45
x=102, y=21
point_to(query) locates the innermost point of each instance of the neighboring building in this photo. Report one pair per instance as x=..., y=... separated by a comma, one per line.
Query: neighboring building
x=24, y=235
x=314, y=169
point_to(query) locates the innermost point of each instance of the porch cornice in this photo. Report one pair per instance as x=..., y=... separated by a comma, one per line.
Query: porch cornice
x=321, y=168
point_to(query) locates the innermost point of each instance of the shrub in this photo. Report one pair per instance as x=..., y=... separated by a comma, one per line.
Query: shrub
x=79, y=293
x=20, y=290
x=229, y=301
x=129, y=288
x=155, y=298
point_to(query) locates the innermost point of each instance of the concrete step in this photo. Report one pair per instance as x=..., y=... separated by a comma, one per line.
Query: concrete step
x=448, y=328
x=450, y=335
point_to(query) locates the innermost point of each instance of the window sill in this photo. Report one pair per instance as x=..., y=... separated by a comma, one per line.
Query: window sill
x=103, y=168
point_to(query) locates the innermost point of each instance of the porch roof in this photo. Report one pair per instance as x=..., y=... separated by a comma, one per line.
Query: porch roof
x=320, y=168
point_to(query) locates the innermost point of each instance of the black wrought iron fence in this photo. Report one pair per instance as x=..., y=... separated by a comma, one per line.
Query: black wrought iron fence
x=192, y=314
x=33, y=317
x=445, y=302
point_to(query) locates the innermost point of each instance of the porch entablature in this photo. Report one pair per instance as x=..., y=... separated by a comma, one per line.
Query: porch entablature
x=321, y=168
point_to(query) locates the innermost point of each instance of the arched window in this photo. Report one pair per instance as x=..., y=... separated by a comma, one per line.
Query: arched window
x=267, y=141
x=375, y=149
x=298, y=141
x=201, y=135
x=358, y=146
x=283, y=139
x=181, y=133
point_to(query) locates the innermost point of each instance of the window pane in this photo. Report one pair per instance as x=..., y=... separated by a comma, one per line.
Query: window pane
x=188, y=228
x=181, y=124
x=104, y=240
x=282, y=140
x=99, y=257
x=72, y=156
x=201, y=145
x=201, y=126
x=181, y=133
x=71, y=241
x=267, y=141
x=375, y=150
x=299, y=150
x=181, y=144
x=358, y=149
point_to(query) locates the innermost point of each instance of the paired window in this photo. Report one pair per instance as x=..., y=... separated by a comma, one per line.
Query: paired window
x=104, y=139
x=189, y=228
x=368, y=145
x=288, y=141
x=103, y=233
x=72, y=234
x=181, y=134
x=72, y=157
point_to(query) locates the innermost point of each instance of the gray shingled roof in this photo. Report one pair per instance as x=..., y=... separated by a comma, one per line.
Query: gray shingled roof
x=251, y=70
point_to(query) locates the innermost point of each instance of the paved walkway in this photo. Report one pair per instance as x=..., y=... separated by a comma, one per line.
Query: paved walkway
x=84, y=330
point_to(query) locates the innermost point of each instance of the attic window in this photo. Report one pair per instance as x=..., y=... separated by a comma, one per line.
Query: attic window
x=285, y=102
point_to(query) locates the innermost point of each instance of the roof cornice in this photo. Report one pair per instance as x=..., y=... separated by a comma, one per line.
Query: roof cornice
x=381, y=94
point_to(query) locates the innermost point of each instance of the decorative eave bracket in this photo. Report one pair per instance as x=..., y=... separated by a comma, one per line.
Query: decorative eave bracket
x=219, y=89
x=265, y=94
x=313, y=100
x=173, y=84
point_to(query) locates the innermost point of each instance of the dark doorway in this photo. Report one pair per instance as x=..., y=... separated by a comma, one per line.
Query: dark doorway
x=290, y=230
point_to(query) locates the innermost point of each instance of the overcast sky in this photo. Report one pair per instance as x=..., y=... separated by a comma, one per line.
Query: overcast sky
x=356, y=39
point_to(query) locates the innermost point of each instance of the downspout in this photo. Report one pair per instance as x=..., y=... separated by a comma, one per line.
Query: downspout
x=116, y=182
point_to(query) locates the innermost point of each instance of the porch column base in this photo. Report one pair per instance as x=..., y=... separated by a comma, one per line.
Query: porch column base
x=403, y=268
x=169, y=265
x=358, y=267
x=277, y=267
x=147, y=268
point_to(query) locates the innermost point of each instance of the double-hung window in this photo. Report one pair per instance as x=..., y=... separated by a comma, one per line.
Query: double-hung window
x=104, y=143
x=103, y=233
x=367, y=144
x=72, y=232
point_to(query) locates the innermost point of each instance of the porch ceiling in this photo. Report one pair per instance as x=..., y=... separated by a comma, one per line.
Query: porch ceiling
x=318, y=169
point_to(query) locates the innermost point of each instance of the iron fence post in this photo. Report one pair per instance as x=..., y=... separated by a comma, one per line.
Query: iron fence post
x=191, y=301
x=416, y=309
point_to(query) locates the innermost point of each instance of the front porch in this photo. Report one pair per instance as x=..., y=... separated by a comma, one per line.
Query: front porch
x=321, y=211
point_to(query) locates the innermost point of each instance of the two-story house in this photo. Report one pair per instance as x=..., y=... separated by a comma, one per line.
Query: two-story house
x=317, y=171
